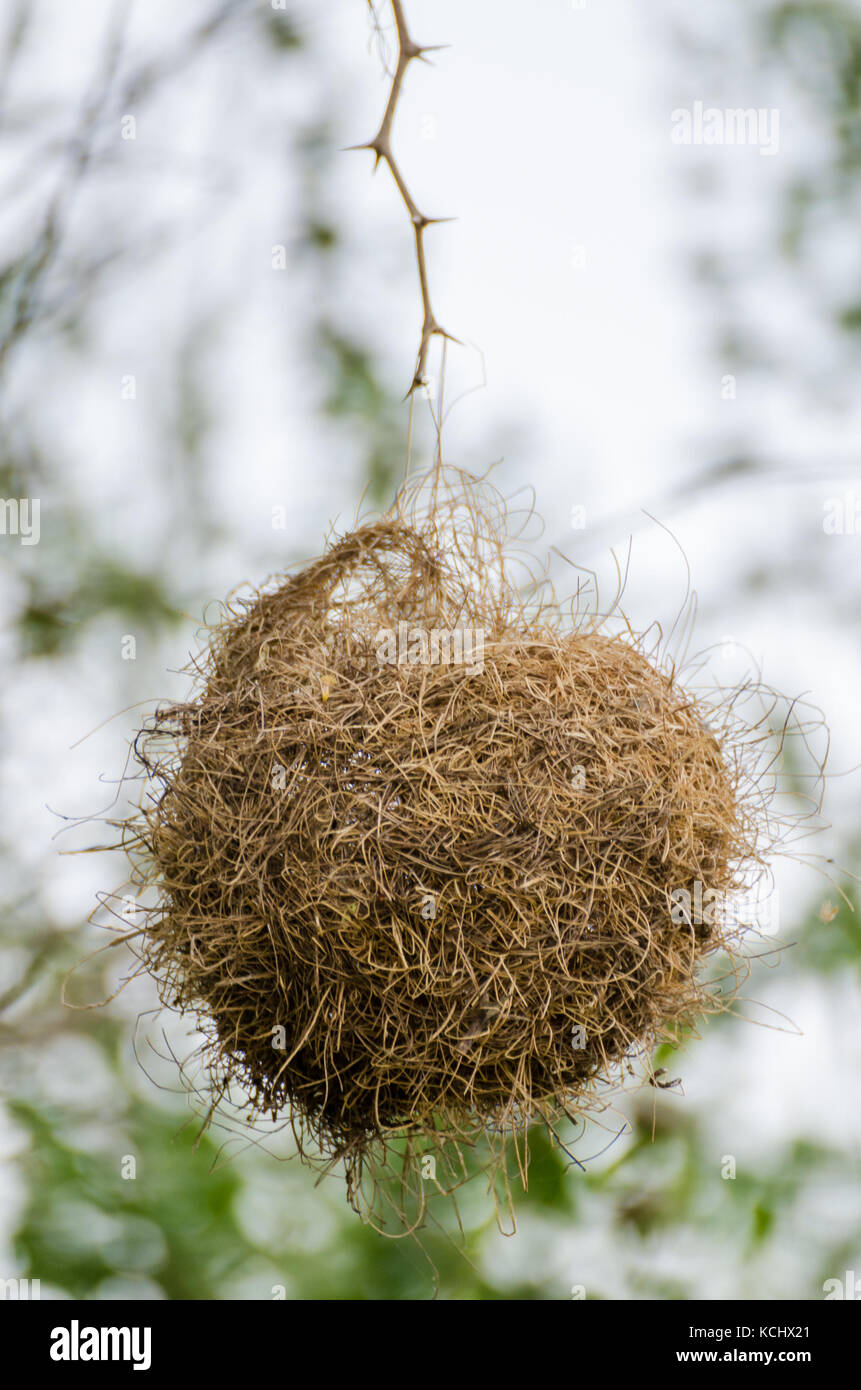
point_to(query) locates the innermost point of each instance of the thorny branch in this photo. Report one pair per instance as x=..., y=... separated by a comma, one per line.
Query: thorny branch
x=381, y=145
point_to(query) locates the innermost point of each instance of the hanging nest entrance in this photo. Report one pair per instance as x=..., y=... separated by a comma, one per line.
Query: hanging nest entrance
x=418, y=849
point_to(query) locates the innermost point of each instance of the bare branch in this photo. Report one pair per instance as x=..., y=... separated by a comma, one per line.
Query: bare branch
x=45, y=248
x=381, y=145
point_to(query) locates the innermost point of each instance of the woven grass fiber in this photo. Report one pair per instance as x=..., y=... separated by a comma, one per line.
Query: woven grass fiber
x=415, y=840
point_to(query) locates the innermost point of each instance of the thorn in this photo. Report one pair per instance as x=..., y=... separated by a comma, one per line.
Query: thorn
x=348, y=149
x=418, y=382
x=418, y=50
x=379, y=150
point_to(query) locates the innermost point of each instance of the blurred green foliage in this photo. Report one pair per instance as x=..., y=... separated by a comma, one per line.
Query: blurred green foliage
x=51, y=619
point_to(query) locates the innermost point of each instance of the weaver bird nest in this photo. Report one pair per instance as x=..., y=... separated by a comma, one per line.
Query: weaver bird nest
x=418, y=845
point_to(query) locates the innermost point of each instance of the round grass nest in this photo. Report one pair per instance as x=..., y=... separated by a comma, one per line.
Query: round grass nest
x=415, y=884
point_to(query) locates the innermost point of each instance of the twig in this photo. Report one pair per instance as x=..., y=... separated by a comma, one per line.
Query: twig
x=36, y=266
x=16, y=33
x=48, y=241
x=381, y=145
